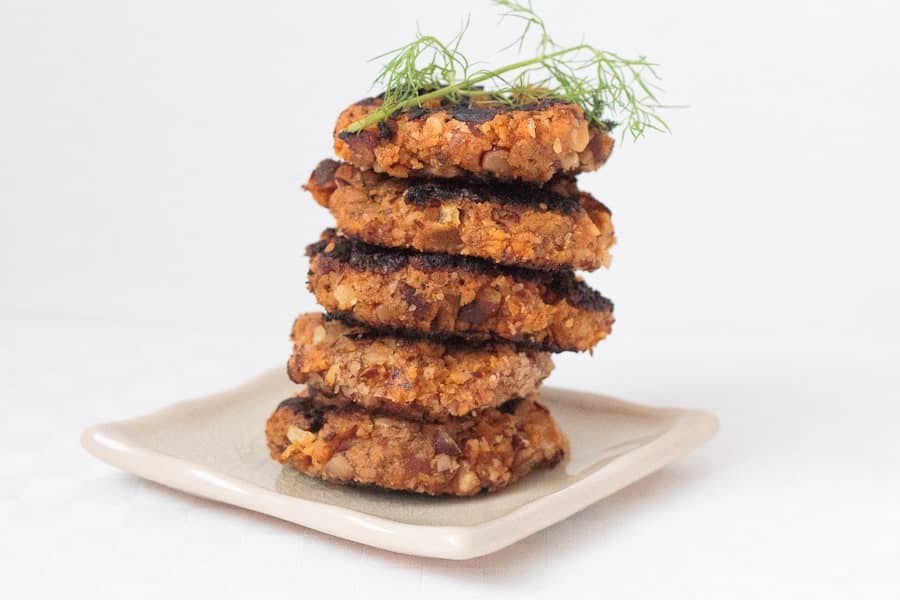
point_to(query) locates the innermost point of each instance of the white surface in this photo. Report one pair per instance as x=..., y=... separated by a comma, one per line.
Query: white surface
x=151, y=232
x=797, y=496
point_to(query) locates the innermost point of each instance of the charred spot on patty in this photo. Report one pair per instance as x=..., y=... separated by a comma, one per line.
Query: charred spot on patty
x=306, y=408
x=423, y=193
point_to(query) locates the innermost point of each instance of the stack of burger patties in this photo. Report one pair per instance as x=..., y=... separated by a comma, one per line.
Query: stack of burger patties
x=447, y=284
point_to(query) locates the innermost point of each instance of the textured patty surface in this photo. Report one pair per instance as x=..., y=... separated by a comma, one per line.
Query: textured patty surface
x=555, y=227
x=414, y=378
x=452, y=296
x=528, y=144
x=461, y=457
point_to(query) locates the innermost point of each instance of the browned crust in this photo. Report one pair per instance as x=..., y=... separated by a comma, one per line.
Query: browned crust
x=445, y=296
x=554, y=227
x=528, y=144
x=415, y=378
x=462, y=456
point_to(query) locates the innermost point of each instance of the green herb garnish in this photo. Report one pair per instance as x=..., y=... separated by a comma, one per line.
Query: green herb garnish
x=605, y=84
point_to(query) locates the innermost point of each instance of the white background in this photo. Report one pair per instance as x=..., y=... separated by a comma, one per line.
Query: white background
x=151, y=237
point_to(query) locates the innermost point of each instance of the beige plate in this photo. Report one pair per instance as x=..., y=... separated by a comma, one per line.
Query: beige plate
x=215, y=447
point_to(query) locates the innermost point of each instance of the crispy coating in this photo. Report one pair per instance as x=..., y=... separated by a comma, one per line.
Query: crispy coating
x=414, y=378
x=528, y=144
x=555, y=227
x=453, y=296
x=461, y=457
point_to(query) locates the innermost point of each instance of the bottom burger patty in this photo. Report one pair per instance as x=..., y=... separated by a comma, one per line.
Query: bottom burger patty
x=463, y=456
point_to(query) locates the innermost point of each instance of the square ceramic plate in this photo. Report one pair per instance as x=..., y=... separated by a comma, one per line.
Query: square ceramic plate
x=215, y=447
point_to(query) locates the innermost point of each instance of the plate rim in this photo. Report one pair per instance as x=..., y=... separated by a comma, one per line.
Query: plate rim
x=111, y=443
